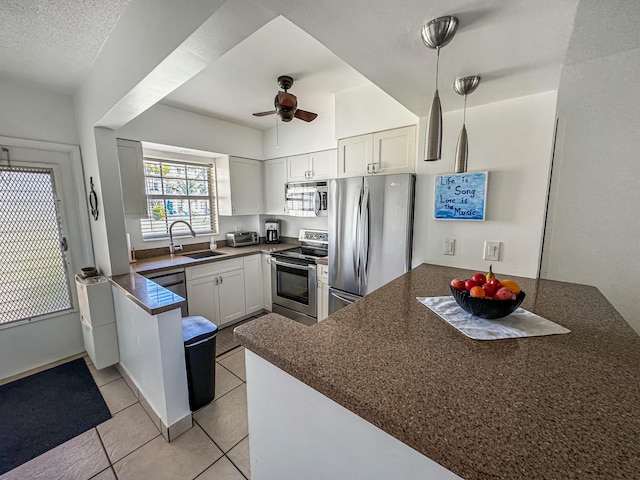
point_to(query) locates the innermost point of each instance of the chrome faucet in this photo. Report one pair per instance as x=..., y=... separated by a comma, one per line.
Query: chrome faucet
x=172, y=247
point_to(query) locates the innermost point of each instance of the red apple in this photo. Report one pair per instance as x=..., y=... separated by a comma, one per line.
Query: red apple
x=480, y=278
x=496, y=282
x=489, y=289
x=457, y=284
x=469, y=284
x=504, y=294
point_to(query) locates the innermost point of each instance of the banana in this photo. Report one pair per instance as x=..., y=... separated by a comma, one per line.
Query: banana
x=490, y=274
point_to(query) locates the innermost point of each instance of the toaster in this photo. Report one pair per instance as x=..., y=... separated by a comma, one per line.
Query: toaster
x=242, y=239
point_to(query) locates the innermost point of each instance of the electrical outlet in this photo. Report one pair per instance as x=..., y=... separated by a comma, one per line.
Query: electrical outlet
x=448, y=246
x=492, y=250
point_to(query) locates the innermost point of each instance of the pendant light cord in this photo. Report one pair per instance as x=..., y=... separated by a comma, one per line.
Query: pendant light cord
x=464, y=112
x=437, y=65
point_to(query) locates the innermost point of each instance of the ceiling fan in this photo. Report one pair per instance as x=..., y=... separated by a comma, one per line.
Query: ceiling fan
x=287, y=104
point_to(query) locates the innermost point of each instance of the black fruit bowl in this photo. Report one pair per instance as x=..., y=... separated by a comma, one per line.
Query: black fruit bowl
x=486, y=307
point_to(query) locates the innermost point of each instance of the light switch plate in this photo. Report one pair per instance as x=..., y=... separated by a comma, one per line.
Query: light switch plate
x=492, y=250
x=448, y=246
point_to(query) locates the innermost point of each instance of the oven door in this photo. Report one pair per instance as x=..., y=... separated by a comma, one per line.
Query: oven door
x=293, y=286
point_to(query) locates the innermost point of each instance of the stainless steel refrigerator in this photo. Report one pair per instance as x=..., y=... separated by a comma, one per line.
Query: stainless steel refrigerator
x=370, y=234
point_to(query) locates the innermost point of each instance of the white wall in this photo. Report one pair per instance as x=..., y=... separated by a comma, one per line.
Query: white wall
x=290, y=226
x=173, y=126
x=36, y=114
x=369, y=109
x=512, y=140
x=297, y=136
x=593, y=227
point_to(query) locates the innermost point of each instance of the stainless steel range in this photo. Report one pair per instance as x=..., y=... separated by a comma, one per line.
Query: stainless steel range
x=293, y=277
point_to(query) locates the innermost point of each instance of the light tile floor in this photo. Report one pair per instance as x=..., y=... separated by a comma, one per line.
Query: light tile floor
x=130, y=447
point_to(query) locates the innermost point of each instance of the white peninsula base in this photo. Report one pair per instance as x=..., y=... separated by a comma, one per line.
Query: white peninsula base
x=296, y=432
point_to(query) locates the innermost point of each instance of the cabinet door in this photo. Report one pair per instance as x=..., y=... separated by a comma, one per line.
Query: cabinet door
x=394, y=151
x=266, y=281
x=355, y=155
x=202, y=298
x=298, y=168
x=324, y=164
x=253, y=283
x=130, y=160
x=246, y=186
x=323, y=300
x=231, y=295
x=275, y=178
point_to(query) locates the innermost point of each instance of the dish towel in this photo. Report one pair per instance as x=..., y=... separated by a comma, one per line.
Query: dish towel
x=520, y=323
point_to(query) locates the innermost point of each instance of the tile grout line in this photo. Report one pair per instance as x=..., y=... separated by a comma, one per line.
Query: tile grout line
x=104, y=449
x=243, y=381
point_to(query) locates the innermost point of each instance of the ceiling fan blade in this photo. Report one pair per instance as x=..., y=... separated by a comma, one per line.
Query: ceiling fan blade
x=264, y=114
x=287, y=100
x=304, y=115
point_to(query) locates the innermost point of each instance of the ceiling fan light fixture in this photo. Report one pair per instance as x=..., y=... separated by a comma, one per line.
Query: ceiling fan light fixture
x=464, y=86
x=436, y=34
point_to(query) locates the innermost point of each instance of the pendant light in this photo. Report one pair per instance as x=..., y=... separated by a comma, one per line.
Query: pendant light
x=464, y=86
x=436, y=34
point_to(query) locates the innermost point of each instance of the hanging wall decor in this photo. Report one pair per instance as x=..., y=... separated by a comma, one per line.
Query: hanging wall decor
x=93, y=200
x=461, y=196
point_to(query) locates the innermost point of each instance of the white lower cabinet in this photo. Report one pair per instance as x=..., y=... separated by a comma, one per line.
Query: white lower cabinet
x=253, y=283
x=323, y=292
x=216, y=291
x=266, y=281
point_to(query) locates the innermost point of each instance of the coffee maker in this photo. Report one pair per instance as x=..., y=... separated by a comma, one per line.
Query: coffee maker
x=272, y=228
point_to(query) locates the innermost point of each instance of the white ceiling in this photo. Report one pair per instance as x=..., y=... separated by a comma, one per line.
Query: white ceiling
x=53, y=43
x=517, y=46
x=244, y=80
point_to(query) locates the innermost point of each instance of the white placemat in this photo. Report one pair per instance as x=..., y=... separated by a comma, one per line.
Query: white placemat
x=520, y=323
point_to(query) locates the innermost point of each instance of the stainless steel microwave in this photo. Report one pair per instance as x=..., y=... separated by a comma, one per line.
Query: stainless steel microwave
x=307, y=199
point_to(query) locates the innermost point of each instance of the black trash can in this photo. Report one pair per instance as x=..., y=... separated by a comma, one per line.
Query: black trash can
x=199, y=335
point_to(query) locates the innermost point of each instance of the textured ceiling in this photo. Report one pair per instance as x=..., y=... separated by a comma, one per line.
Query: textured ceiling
x=53, y=43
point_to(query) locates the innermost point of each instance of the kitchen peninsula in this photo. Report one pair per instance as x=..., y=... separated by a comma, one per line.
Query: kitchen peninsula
x=437, y=404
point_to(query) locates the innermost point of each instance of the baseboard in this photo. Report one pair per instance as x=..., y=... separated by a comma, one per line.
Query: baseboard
x=42, y=368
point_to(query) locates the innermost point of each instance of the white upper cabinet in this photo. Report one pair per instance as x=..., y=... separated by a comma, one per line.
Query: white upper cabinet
x=312, y=166
x=275, y=178
x=387, y=152
x=130, y=159
x=239, y=182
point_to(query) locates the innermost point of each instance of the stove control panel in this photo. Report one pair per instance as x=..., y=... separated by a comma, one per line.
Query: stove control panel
x=321, y=236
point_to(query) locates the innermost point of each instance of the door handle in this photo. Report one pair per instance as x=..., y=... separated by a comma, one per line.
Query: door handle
x=356, y=251
x=317, y=200
x=364, y=236
x=342, y=298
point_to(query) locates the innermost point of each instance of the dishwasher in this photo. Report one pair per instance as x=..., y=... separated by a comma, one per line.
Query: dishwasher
x=174, y=281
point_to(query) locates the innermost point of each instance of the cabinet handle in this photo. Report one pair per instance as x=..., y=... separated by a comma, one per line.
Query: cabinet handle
x=216, y=280
x=220, y=280
x=368, y=168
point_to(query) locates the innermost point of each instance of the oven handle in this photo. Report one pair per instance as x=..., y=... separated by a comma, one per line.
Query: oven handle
x=294, y=265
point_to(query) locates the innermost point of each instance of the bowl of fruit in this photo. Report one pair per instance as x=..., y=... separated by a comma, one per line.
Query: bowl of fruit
x=487, y=297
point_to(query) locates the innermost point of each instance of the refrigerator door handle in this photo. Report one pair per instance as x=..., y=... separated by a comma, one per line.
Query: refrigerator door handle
x=356, y=236
x=364, y=237
x=345, y=300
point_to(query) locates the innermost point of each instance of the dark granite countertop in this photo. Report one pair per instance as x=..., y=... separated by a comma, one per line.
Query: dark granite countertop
x=155, y=299
x=555, y=407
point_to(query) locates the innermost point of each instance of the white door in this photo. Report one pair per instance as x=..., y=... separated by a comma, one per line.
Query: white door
x=266, y=281
x=275, y=178
x=231, y=295
x=298, y=168
x=355, y=156
x=324, y=164
x=253, y=283
x=394, y=151
x=202, y=297
x=46, y=322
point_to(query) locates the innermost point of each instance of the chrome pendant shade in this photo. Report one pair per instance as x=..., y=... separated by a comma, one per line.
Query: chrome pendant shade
x=464, y=86
x=436, y=34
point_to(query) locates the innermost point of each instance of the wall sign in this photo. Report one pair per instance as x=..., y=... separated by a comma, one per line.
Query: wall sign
x=461, y=196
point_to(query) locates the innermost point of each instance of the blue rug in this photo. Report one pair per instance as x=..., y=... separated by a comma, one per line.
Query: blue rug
x=42, y=411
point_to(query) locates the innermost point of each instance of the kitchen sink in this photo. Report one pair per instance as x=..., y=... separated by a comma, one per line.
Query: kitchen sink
x=205, y=254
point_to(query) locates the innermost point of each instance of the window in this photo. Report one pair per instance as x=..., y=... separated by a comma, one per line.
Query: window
x=33, y=274
x=178, y=191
